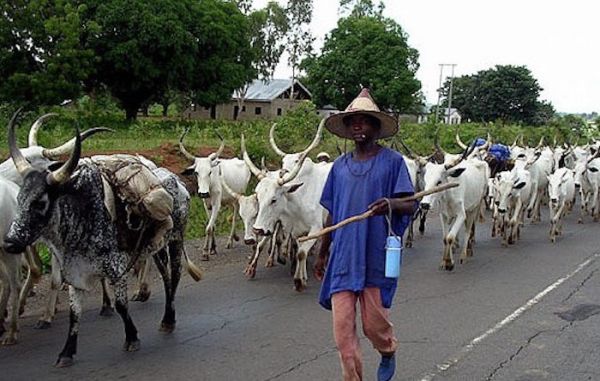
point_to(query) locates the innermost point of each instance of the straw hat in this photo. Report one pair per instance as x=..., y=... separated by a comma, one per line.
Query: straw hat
x=362, y=104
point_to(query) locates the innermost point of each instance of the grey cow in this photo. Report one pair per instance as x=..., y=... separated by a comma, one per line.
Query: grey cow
x=65, y=209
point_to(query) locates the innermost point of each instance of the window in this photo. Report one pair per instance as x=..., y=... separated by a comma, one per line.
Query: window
x=257, y=111
x=278, y=112
x=243, y=108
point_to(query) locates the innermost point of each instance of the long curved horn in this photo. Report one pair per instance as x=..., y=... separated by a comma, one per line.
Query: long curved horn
x=458, y=141
x=62, y=174
x=215, y=155
x=272, y=141
x=263, y=166
x=253, y=168
x=231, y=192
x=55, y=153
x=515, y=142
x=35, y=128
x=19, y=160
x=541, y=142
x=409, y=152
x=317, y=138
x=185, y=153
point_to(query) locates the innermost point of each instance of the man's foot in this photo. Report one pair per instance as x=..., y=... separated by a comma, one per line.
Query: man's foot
x=387, y=367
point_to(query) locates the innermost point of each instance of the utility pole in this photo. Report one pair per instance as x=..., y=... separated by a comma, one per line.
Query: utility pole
x=437, y=108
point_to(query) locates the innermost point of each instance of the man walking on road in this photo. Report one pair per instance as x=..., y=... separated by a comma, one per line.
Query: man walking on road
x=370, y=177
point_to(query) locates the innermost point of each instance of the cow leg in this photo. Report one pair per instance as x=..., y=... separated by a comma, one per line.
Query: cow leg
x=232, y=235
x=301, y=274
x=410, y=235
x=515, y=221
x=273, y=245
x=65, y=358
x=11, y=274
x=142, y=292
x=168, y=321
x=34, y=274
x=250, y=270
x=55, y=284
x=447, y=263
x=132, y=343
x=422, y=221
x=466, y=239
x=107, y=308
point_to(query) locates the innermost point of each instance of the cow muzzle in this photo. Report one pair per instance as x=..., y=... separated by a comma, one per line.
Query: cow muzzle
x=501, y=211
x=13, y=246
x=261, y=232
x=425, y=206
x=204, y=194
x=250, y=241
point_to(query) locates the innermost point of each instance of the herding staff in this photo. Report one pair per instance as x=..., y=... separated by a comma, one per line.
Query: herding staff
x=369, y=213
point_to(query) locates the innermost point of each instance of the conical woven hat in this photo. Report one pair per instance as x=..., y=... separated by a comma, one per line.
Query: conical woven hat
x=362, y=104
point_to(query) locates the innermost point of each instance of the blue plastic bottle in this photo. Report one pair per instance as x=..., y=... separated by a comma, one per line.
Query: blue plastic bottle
x=393, y=257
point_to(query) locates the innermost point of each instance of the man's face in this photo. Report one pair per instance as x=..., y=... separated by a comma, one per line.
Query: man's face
x=362, y=128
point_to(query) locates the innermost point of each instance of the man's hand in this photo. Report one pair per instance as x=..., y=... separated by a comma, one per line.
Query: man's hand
x=319, y=267
x=379, y=207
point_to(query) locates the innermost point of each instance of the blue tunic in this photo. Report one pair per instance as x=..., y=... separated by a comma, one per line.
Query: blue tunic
x=357, y=258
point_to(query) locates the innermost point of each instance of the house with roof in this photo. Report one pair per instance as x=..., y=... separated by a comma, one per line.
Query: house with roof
x=451, y=116
x=261, y=100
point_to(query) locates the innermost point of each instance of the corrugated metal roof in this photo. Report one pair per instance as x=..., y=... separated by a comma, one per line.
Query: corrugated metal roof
x=267, y=91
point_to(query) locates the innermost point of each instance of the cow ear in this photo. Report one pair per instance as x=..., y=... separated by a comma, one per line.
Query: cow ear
x=592, y=169
x=294, y=187
x=188, y=171
x=457, y=172
x=520, y=185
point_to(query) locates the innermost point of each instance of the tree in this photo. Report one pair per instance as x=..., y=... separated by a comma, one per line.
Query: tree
x=365, y=51
x=299, y=37
x=508, y=93
x=42, y=59
x=268, y=28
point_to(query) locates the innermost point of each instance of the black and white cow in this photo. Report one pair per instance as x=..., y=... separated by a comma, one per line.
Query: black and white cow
x=65, y=209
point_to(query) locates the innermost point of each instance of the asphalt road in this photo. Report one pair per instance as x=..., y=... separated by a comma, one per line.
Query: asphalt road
x=526, y=312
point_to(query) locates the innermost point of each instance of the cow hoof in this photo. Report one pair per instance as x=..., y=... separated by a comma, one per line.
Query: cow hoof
x=42, y=324
x=64, y=362
x=250, y=272
x=269, y=263
x=447, y=266
x=229, y=245
x=580, y=221
x=299, y=286
x=166, y=327
x=236, y=238
x=204, y=257
x=141, y=296
x=213, y=252
x=107, y=311
x=281, y=260
x=408, y=245
x=9, y=340
x=131, y=346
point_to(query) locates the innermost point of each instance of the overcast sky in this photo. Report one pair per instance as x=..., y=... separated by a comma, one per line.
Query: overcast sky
x=558, y=40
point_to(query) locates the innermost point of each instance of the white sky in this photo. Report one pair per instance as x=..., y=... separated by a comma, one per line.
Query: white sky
x=558, y=40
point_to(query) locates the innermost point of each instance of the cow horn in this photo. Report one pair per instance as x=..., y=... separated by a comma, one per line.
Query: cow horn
x=233, y=193
x=215, y=155
x=263, y=166
x=19, y=160
x=35, y=128
x=458, y=141
x=294, y=172
x=55, y=153
x=185, y=153
x=253, y=168
x=317, y=138
x=436, y=141
x=514, y=145
x=63, y=174
x=541, y=142
x=409, y=152
x=272, y=141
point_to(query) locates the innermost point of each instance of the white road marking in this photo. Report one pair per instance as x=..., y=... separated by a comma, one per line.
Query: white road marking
x=453, y=360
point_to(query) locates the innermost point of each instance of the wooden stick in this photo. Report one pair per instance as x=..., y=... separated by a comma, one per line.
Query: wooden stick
x=369, y=213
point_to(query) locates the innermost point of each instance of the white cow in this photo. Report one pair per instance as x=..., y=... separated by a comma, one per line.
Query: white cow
x=208, y=170
x=293, y=199
x=561, y=188
x=459, y=206
x=593, y=176
x=514, y=190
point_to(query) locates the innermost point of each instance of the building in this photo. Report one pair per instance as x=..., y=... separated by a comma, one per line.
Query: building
x=451, y=116
x=263, y=100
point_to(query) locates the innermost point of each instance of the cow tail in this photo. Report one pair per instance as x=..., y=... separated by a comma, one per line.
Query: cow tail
x=191, y=268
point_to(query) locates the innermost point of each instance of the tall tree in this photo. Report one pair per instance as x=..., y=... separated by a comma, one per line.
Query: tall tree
x=299, y=37
x=365, y=51
x=508, y=93
x=42, y=58
x=268, y=28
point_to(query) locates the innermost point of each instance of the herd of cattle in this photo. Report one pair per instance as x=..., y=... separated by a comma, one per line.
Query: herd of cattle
x=70, y=207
